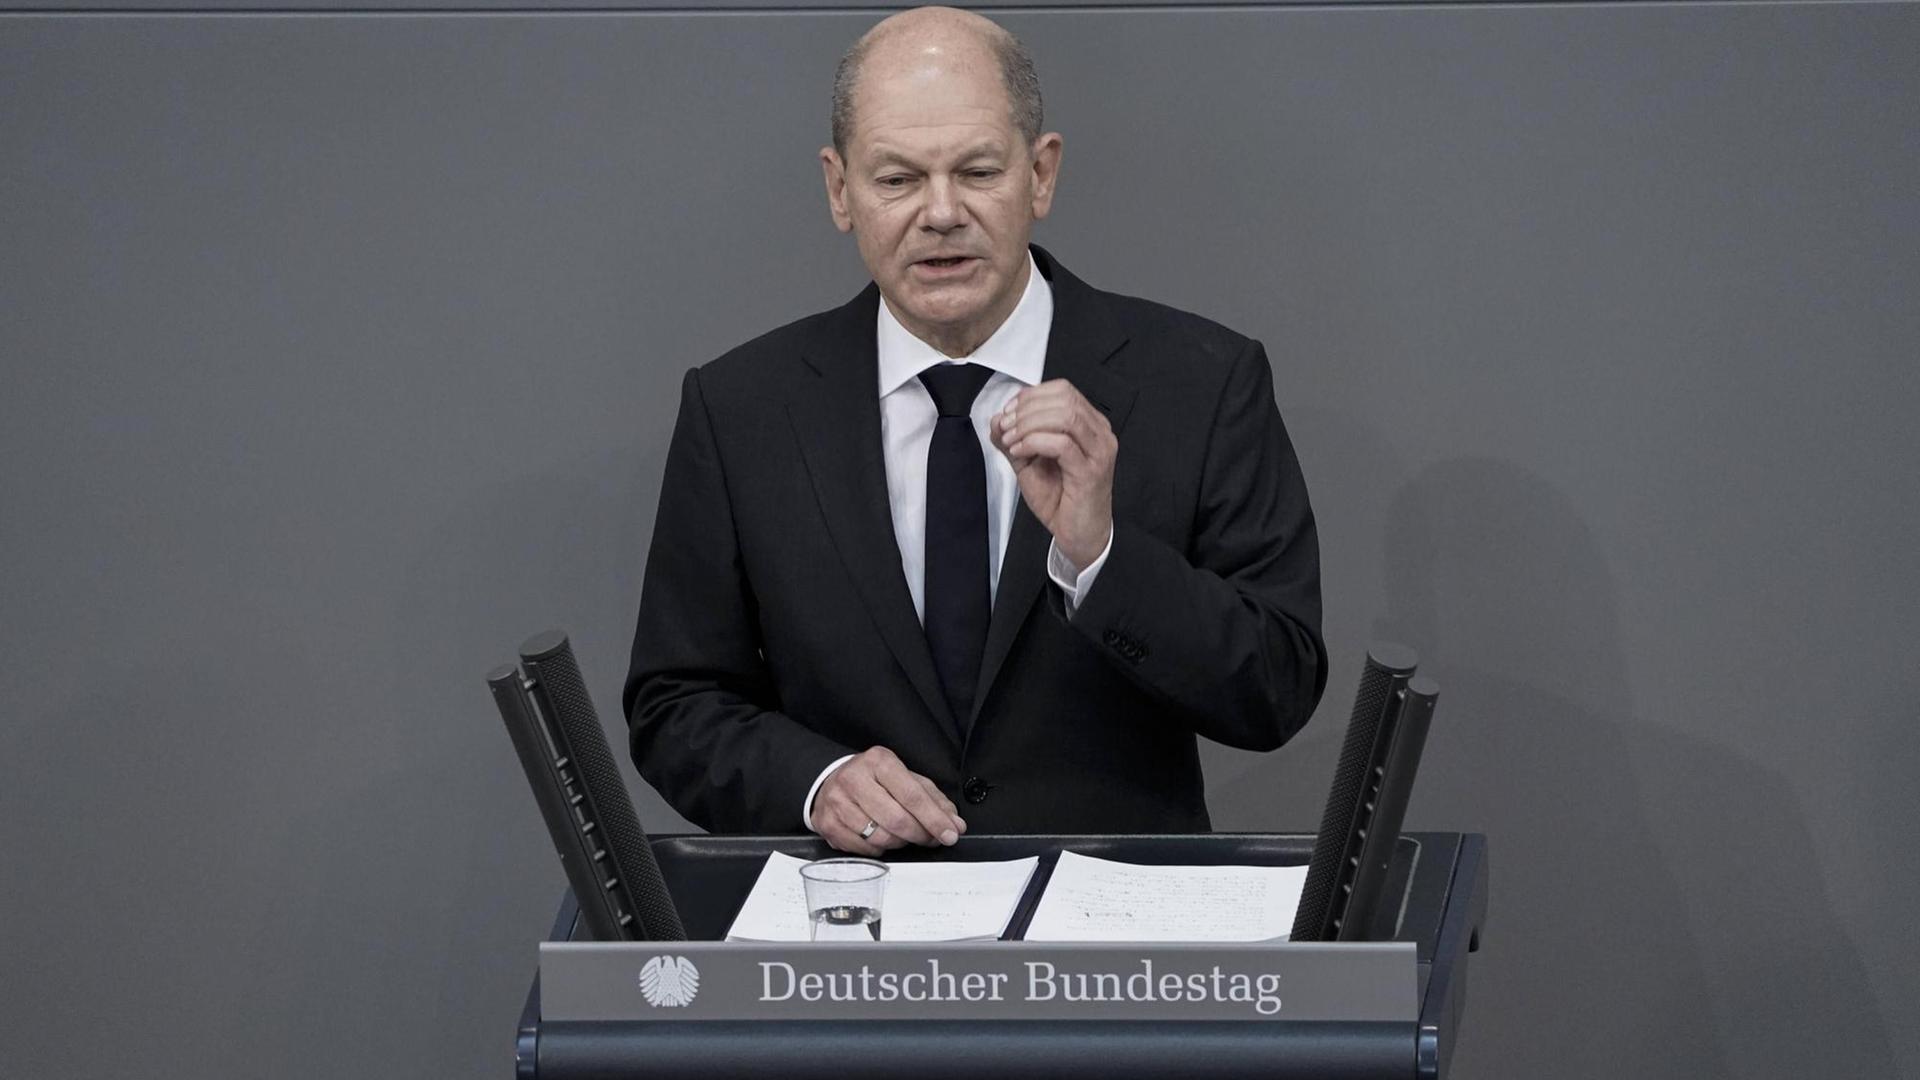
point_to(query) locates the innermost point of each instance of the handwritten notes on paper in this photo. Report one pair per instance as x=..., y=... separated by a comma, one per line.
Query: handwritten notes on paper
x=1088, y=899
x=943, y=901
x=1092, y=899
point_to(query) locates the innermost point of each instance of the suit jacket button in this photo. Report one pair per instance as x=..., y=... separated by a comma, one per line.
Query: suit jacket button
x=1111, y=637
x=975, y=790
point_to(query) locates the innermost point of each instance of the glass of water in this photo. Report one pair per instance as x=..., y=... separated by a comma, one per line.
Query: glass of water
x=843, y=898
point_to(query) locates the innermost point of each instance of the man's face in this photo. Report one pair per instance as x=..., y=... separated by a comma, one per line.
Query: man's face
x=941, y=192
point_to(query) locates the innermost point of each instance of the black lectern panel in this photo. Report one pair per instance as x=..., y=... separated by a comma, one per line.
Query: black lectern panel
x=1439, y=880
x=949, y=1050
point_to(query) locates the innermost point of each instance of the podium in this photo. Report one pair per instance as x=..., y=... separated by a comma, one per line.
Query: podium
x=1439, y=879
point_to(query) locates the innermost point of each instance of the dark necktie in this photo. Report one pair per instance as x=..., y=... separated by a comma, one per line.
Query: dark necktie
x=957, y=603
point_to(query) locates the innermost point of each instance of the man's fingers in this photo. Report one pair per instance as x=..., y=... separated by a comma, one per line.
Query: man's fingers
x=945, y=804
x=901, y=821
x=872, y=800
x=851, y=796
x=939, y=796
x=1087, y=428
x=1053, y=416
x=1002, y=433
x=1050, y=395
x=849, y=822
x=1053, y=447
x=938, y=824
x=932, y=822
x=1052, y=390
x=876, y=786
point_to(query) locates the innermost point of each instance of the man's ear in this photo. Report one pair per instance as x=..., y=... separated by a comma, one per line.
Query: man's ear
x=835, y=173
x=1046, y=170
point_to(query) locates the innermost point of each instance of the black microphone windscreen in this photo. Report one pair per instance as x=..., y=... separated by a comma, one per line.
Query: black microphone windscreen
x=548, y=659
x=1388, y=668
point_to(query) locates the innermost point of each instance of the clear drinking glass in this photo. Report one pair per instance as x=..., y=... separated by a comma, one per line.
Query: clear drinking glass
x=844, y=898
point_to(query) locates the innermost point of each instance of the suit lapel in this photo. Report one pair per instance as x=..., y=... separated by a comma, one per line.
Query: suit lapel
x=1081, y=340
x=836, y=419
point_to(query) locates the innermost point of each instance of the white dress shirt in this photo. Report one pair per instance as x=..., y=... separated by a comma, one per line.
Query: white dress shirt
x=1017, y=354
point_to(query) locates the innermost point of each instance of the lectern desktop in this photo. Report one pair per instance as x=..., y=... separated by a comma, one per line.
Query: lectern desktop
x=1438, y=879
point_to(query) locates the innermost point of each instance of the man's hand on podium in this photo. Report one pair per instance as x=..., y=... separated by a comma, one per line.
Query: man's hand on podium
x=875, y=794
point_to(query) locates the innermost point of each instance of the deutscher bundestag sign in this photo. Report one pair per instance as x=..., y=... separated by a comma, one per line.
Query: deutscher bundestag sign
x=717, y=980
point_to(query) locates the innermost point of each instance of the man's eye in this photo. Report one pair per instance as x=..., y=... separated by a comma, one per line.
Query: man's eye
x=893, y=181
x=983, y=174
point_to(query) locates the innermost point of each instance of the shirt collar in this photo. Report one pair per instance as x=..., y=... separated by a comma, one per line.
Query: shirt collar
x=1018, y=349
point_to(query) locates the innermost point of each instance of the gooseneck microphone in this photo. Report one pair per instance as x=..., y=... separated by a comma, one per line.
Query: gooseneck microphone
x=562, y=748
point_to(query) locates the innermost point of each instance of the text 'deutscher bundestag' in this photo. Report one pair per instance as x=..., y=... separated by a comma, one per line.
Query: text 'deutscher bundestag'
x=704, y=980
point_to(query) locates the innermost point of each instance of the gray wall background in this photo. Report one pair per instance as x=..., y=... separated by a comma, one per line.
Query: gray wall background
x=1594, y=325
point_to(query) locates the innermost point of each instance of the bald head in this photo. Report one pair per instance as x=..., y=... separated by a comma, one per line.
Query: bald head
x=944, y=36
x=939, y=169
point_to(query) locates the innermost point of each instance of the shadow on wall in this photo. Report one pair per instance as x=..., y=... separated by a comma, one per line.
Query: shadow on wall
x=1656, y=906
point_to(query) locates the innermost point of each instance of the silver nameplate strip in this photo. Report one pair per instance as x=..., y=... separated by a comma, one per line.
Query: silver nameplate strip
x=989, y=980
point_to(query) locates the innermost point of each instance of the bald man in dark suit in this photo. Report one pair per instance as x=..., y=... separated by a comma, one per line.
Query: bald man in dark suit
x=983, y=537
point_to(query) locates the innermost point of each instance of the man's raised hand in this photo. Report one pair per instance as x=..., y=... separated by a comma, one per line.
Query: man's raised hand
x=1062, y=450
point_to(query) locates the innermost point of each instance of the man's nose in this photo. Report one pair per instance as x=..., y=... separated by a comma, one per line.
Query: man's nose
x=943, y=211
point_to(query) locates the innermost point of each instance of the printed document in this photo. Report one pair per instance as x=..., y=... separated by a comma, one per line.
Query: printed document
x=925, y=901
x=1092, y=899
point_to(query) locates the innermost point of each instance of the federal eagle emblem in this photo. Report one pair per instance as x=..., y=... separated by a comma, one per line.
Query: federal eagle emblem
x=669, y=981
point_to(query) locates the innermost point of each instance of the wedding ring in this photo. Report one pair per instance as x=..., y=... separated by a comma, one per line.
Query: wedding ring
x=867, y=833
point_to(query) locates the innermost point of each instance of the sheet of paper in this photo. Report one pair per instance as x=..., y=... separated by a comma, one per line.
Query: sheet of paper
x=925, y=901
x=1092, y=899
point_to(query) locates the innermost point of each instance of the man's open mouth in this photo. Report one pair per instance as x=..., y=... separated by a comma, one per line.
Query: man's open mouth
x=955, y=260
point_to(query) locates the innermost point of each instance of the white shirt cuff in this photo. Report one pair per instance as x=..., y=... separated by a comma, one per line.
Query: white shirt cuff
x=1074, y=586
x=806, y=808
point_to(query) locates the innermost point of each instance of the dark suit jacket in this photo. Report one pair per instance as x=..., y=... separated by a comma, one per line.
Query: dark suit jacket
x=776, y=632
